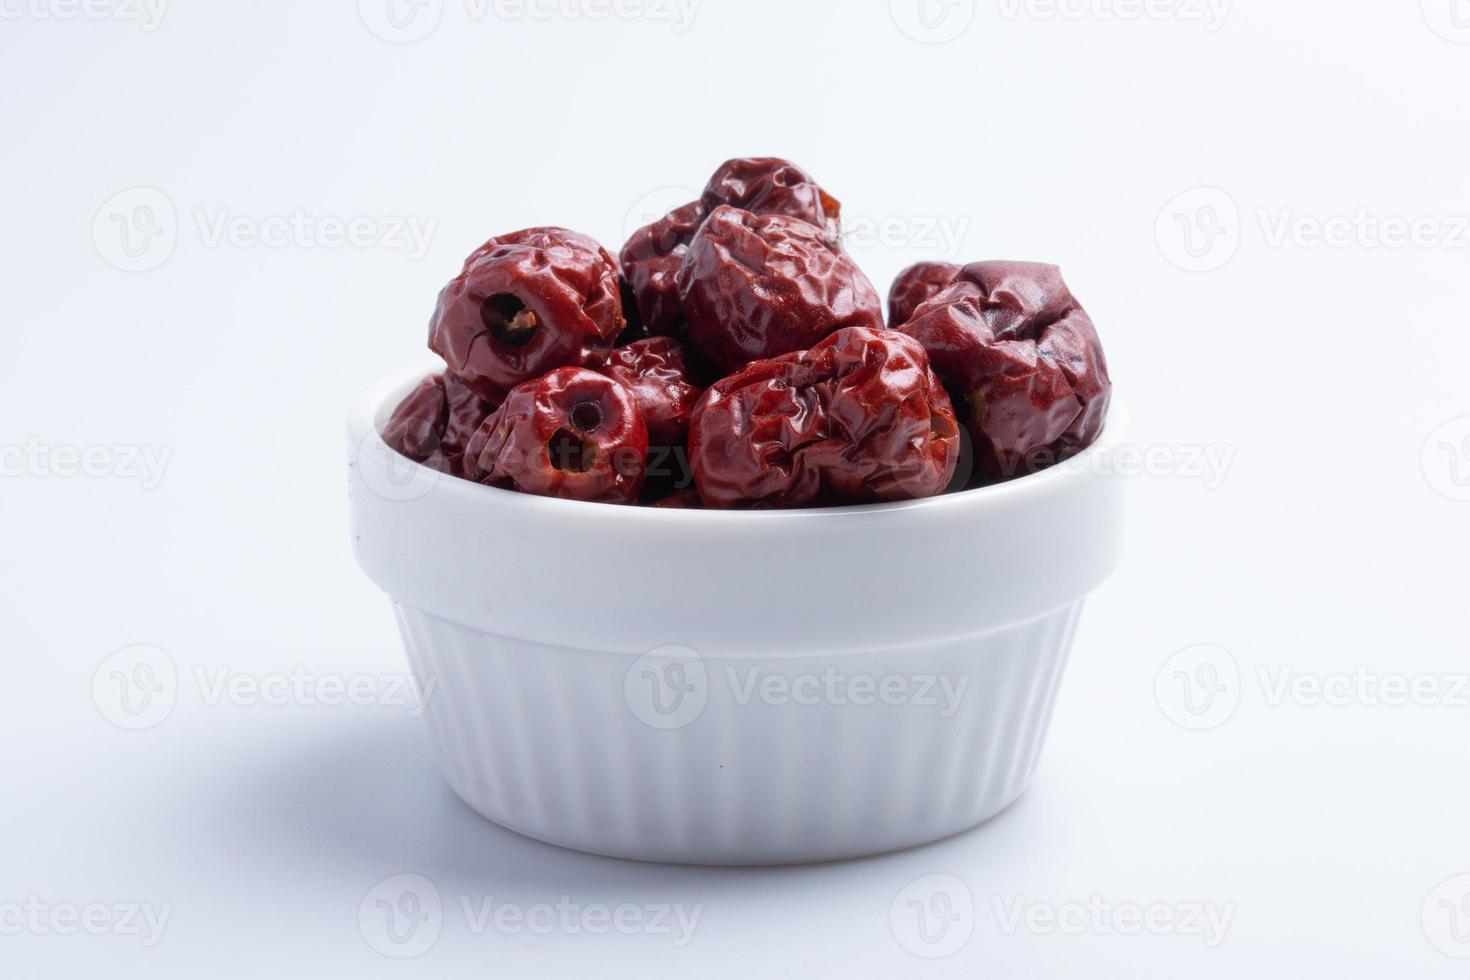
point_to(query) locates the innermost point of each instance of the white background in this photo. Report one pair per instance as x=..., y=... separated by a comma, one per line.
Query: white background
x=1330, y=376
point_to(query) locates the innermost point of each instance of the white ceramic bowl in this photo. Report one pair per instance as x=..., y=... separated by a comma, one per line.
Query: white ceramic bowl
x=733, y=688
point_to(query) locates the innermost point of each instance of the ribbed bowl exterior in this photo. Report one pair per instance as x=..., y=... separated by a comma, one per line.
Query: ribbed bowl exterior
x=734, y=687
x=723, y=760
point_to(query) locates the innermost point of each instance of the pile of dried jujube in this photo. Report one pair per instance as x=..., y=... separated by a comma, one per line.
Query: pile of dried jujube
x=737, y=358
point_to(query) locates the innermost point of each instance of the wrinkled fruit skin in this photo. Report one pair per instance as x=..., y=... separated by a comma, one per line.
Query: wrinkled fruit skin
x=761, y=185
x=435, y=423
x=770, y=185
x=758, y=286
x=651, y=261
x=916, y=284
x=656, y=372
x=1016, y=348
x=526, y=303
x=858, y=418
x=571, y=433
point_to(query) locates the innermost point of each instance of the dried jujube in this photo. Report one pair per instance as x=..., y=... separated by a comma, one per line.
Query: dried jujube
x=761, y=185
x=526, y=303
x=770, y=185
x=1023, y=359
x=570, y=433
x=916, y=284
x=860, y=417
x=657, y=373
x=434, y=424
x=651, y=261
x=757, y=286
x=599, y=366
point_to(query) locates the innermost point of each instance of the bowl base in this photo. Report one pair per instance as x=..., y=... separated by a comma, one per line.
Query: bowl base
x=721, y=857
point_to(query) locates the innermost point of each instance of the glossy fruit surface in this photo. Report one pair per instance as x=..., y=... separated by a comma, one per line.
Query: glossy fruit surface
x=434, y=424
x=1022, y=357
x=656, y=371
x=571, y=433
x=526, y=303
x=858, y=418
x=757, y=286
x=770, y=185
x=761, y=185
x=651, y=260
x=916, y=284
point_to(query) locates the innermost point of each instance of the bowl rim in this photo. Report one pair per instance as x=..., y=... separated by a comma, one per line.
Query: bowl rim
x=368, y=416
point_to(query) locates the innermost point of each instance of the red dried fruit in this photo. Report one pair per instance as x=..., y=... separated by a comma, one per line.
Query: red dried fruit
x=416, y=427
x=571, y=433
x=467, y=412
x=860, y=417
x=434, y=424
x=760, y=185
x=1014, y=345
x=656, y=372
x=526, y=303
x=770, y=185
x=757, y=286
x=916, y=284
x=651, y=261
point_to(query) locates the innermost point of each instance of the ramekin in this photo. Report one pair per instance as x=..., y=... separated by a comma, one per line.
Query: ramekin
x=710, y=687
